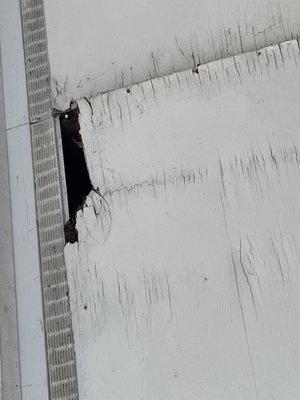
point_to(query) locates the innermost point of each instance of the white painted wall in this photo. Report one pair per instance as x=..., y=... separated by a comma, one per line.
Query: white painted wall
x=99, y=45
x=185, y=281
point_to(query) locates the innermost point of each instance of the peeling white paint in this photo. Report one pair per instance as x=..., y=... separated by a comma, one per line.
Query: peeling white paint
x=184, y=282
x=102, y=45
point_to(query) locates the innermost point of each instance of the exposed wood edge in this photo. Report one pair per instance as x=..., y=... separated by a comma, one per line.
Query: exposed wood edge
x=61, y=166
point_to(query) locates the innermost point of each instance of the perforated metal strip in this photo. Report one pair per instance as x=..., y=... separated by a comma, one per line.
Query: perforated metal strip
x=57, y=317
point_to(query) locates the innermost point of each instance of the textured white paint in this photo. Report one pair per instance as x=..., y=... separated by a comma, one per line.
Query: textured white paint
x=99, y=45
x=185, y=281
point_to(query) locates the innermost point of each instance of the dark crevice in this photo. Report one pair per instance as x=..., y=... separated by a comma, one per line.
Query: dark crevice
x=77, y=177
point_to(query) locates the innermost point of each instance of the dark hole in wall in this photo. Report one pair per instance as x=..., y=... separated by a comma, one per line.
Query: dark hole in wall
x=77, y=177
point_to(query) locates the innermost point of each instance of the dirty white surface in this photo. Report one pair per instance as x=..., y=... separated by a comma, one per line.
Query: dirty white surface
x=30, y=329
x=99, y=45
x=185, y=281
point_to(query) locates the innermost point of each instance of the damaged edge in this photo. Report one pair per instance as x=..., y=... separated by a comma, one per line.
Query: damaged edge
x=77, y=184
x=197, y=69
x=59, y=340
x=63, y=185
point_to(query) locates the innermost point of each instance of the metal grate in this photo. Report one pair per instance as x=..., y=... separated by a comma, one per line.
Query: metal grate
x=57, y=316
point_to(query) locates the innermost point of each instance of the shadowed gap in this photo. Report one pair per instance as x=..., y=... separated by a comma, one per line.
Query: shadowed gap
x=77, y=177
